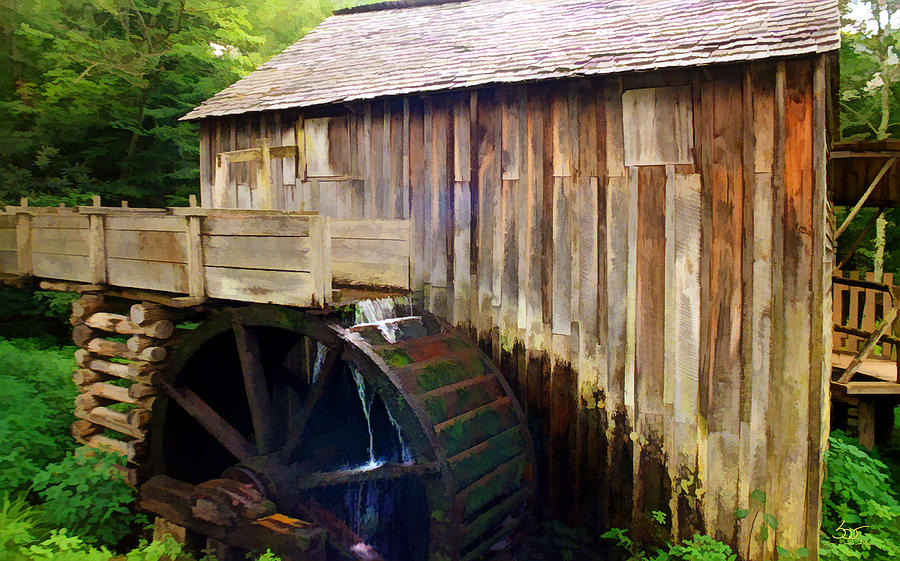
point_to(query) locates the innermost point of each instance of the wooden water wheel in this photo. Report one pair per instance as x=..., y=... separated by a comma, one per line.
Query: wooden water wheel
x=322, y=439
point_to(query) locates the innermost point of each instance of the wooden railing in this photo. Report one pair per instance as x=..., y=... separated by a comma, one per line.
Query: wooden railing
x=246, y=255
x=858, y=305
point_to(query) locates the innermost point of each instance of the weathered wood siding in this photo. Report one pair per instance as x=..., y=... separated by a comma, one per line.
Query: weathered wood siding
x=647, y=266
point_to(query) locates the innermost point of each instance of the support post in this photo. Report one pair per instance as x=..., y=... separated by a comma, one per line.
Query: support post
x=196, y=282
x=865, y=422
x=264, y=189
x=23, y=239
x=97, y=241
x=320, y=266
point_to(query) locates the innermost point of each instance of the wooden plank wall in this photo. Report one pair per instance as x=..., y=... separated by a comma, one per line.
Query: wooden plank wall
x=650, y=301
x=374, y=188
x=62, y=247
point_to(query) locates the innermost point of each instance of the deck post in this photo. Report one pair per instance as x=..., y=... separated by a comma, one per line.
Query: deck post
x=23, y=239
x=97, y=241
x=196, y=282
x=320, y=262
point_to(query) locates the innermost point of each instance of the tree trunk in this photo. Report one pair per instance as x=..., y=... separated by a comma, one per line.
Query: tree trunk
x=878, y=265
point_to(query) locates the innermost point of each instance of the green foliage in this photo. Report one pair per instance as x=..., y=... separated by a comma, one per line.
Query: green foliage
x=698, y=548
x=36, y=410
x=861, y=513
x=59, y=545
x=870, y=69
x=85, y=493
x=20, y=524
x=658, y=516
x=16, y=304
x=91, y=90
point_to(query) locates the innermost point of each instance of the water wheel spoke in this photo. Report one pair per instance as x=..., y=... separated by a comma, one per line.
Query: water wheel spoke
x=341, y=536
x=215, y=425
x=255, y=385
x=361, y=475
x=295, y=436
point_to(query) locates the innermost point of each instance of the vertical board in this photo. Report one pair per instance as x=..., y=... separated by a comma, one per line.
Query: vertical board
x=559, y=117
x=590, y=235
x=523, y=217
x=821, y=329
x=509, y=291
x=206, y=165
x=534, y=205
x=684, y=279
x=487, y=164
x=617, y=286
x=417, y=189
x=650, y=296
x=440, y=204
x=511, y=151
x=378, y=152
x=562, y=257
x=404, y=202
x=462, y=256
x=797, y=288
x=462, y=148
x=650, y=335
x=725, y=173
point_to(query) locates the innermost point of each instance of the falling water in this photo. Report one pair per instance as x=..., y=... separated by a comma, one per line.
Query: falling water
x=320, y=360
x=405, y=453
x=367, y=408
x=383, y=314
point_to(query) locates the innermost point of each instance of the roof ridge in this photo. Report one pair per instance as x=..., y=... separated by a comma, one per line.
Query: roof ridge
x=393, y=5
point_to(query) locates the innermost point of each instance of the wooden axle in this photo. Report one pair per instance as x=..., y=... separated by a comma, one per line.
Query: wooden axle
x=232, y=513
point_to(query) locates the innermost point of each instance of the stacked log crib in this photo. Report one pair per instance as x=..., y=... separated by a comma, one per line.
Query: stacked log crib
x=123, y=348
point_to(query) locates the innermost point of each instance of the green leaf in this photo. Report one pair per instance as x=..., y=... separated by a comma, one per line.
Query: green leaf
x=758, y=496
x=741, y=513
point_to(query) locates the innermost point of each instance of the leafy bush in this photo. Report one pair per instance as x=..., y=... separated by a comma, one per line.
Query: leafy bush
x=60, y=546
x=16, y=303
x=698, y=548
x=861, y=513
x=36, y=410
x=85, y=493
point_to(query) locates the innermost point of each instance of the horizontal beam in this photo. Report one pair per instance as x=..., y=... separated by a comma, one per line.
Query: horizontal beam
x=843, y=154
x=859, y=283
x=867, y=388
x=865, y=334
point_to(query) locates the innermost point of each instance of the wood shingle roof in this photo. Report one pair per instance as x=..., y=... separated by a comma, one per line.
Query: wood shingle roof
x=449, y=45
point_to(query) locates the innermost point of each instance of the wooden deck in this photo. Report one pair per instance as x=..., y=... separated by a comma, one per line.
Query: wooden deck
x=277, y=257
